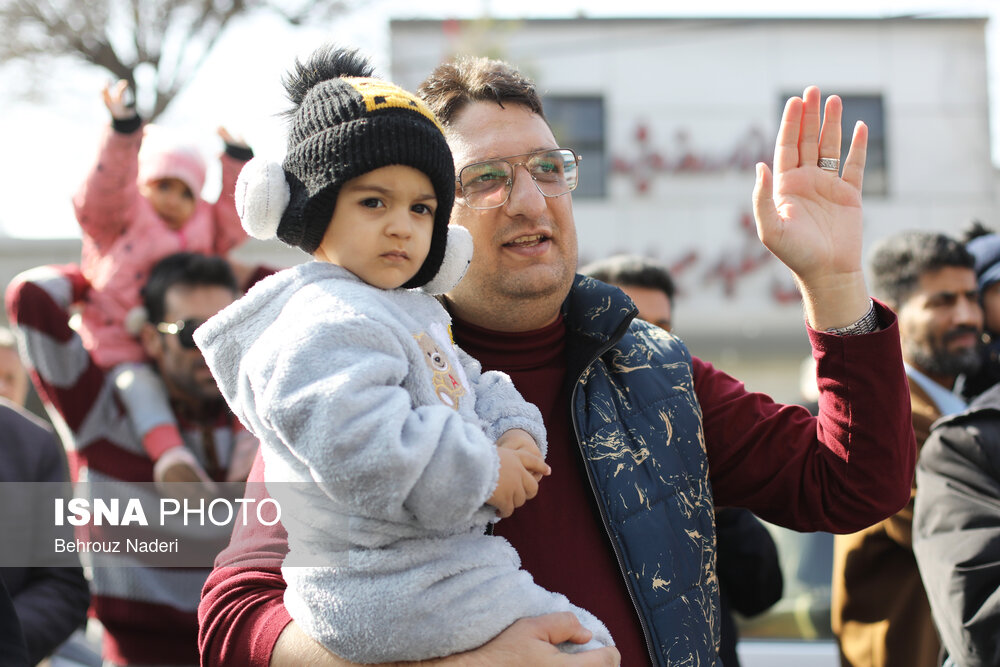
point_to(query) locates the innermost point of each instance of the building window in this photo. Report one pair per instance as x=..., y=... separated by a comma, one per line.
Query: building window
x=868, y=108
x=578, y=123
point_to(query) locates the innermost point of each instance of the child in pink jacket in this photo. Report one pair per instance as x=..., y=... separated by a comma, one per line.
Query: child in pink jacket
x=140, y=203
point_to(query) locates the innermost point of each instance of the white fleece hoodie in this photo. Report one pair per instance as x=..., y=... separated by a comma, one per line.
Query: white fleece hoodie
x=378, y=435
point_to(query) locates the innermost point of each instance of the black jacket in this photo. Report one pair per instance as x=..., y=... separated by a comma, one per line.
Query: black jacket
x=749, y=572
x=956, y=530
x=51, y=602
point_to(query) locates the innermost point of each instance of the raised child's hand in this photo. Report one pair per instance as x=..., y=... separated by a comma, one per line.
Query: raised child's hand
x=114, y=100
x=517, y=482
x=231, y=139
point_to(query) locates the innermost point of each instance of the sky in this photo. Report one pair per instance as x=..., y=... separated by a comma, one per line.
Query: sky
x=50, y=141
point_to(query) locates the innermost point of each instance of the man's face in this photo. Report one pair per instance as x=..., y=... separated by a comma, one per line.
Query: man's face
x=526, y=250
x=653, y=304
x=13, y=377
x=183, y=370
x=940, y=324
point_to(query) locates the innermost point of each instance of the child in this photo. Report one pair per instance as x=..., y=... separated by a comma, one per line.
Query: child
x=402, y=448
x=140, y=203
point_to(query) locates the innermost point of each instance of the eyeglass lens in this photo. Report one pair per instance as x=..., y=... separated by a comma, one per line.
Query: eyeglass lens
x=488, y=184
x=186, y=335
x=184, y=330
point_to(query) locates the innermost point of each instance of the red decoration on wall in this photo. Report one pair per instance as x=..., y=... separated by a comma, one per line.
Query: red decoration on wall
x=649, y=160
x=451, y=28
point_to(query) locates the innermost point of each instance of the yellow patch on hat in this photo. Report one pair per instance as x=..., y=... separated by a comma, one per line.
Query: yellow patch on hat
x=379, y=94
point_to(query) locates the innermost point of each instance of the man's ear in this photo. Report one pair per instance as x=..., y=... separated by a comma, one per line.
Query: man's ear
x=152, y=341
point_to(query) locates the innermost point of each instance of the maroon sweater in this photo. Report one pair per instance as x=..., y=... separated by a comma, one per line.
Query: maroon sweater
x=564, y=548
x=548, y=536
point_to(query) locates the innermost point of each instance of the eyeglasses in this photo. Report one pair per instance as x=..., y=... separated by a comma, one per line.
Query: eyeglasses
x=183, y=329
x=488, y=184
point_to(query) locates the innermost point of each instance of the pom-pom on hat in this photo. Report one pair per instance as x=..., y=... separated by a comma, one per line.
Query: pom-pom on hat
x=344, y=124
x=163, y=155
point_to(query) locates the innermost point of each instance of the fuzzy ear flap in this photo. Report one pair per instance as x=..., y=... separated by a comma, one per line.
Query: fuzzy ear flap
x=135, y=319
x=457, y=257
x=262, y=195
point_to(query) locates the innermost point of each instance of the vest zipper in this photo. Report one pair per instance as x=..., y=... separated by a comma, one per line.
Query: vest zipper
x=593, y=487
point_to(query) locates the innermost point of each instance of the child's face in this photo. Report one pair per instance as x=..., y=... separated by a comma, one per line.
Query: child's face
x=381, y=226
x=172, y=199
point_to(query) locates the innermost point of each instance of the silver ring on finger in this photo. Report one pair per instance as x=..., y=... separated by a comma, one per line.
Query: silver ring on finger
x=829, y=164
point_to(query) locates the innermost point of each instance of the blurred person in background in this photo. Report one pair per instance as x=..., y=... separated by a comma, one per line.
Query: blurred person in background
x=13, y=376
x=984, y=244
x=956, y=520
x=749, y=570
x=648, y=283
x=51, y=602
x=11, y=639
x=880, y=612
x=141, y=201
x=148, y=613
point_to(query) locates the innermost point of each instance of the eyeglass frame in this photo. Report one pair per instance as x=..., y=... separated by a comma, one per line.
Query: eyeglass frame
x=513, y=170
x=183, y=329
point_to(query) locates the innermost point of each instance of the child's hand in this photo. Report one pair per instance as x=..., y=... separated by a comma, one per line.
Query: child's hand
x=114, y=100
x=241, y=460
x=521, y=440
x=517, y=484
x=232, y=139
x=179, y=465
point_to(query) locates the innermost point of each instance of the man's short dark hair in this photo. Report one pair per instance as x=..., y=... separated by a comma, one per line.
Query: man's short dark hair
x=898, y=262
x=455, y=84
x=183, y=268
x=632, y=271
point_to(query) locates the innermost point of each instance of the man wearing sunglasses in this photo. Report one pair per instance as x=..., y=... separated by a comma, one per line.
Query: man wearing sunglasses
x=148, y=613
x=644, y=440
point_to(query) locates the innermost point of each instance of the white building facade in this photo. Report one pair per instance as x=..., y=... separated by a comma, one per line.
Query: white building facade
x=671, y=115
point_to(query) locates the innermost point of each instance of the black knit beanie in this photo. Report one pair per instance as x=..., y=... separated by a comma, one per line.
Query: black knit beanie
x=346, y=124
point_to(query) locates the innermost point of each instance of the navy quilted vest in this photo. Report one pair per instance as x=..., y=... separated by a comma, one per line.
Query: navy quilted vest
x=638, y=423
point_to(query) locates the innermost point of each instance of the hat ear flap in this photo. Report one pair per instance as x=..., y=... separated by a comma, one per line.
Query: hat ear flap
x=457, y=257
x=262, y=195
x=135, y=319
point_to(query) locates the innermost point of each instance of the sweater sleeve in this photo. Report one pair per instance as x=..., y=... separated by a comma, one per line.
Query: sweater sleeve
x=242, y=611
x=334, y=398
x=956, y=536
x=64, y=373
x=500, y=405
x=107, y=202
x=844, y=470
x=229, y=232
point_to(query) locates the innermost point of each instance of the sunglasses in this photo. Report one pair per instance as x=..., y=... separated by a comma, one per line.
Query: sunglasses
x=183, y=329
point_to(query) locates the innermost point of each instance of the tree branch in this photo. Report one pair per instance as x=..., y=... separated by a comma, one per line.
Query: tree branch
x=79, y=30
